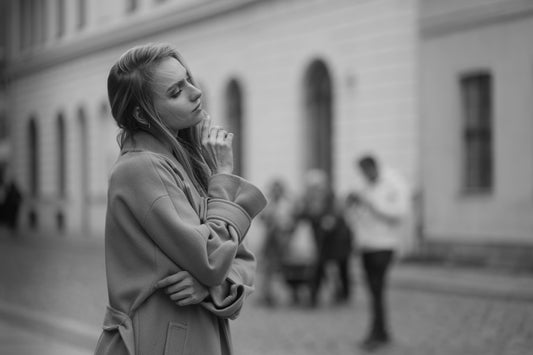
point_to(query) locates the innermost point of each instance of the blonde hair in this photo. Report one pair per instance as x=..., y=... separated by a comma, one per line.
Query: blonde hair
x=130, y=85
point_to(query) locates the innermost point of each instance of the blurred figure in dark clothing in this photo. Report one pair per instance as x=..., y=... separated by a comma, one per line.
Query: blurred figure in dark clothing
x=10, y=200
x=337, y=250
x=277, y=221
x=332, y=236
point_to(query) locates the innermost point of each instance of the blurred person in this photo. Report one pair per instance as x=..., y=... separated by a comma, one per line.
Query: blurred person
x=338, y=250
x=380, y=209
x=277, y=222
x=10, y=200
x=331, y=236
x=176, y=265
x=299, y=260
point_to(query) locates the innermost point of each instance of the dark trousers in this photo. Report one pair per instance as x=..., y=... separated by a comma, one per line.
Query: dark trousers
x=375, y=265
x=342, y=283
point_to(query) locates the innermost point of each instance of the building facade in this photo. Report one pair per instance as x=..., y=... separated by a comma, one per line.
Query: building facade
x=440, y=90
x=477, y=122
x=304, y=84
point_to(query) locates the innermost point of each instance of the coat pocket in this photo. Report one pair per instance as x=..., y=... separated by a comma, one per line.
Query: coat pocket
x=176, y=338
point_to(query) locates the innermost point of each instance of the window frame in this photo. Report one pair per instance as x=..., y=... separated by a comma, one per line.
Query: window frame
x=477, y=102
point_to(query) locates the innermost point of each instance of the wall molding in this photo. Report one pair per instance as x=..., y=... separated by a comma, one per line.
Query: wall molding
x=124, y=32
x=474, y=17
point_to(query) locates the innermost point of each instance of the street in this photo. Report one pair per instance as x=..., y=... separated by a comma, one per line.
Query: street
x=62, y=282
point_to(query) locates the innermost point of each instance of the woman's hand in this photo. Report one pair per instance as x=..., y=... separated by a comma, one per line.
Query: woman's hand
x=183, y=288
x=218, y=145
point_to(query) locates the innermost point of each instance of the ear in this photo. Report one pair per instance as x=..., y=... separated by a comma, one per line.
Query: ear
x=139, y=116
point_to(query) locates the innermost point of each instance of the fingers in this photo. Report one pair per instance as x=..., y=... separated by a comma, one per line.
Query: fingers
x=206, y=126
x=219, y=136
x=181, y=288
x=229, y=139
x=180, y=295
x=172, y=279
x=212, y=135
x=187, y=301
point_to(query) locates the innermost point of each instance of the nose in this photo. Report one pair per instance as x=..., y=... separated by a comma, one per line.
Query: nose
x=195, y=93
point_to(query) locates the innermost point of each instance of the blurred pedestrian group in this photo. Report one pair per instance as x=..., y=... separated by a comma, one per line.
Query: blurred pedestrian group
x=311, y=238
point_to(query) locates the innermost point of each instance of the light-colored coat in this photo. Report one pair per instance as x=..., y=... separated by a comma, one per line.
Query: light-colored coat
x=157, y=224
x=389, y=196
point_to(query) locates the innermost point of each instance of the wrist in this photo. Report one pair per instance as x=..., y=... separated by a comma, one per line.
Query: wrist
x=222, y=170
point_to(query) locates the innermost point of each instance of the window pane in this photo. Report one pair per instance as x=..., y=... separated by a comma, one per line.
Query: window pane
x=477, y=114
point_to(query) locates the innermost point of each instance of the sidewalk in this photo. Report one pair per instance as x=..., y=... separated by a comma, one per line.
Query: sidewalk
x=21, y=341
x=77, y=280
x=21, y=325
x=463, y=281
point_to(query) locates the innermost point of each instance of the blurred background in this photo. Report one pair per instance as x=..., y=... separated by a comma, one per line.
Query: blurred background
x=442, y=91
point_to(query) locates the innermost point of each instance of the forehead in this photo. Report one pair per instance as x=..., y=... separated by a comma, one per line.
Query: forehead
x=168, y=72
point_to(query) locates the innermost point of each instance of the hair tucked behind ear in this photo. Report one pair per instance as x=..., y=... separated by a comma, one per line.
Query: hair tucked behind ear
x=129, y=85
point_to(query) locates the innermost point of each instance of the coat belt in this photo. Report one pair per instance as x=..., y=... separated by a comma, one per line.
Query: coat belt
x=117, y=320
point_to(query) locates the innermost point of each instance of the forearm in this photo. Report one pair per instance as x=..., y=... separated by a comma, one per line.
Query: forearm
x=227, y=299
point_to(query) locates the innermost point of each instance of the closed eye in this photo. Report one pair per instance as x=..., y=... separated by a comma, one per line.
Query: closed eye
x=175, y=90
x=175, y=94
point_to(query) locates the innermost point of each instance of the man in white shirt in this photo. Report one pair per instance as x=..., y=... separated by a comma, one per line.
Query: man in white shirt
x=380, y=209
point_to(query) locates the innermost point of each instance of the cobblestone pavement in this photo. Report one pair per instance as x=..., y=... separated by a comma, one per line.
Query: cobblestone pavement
x=66, y=280
x=422, y=323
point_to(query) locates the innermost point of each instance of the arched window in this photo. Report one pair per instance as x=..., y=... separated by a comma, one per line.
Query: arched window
x=132, y=5
x=61, y=18
x=82, y=14
x=33, y=157
x=234, y=117
x=83, y=134
x=61, y=156
x=318, y=117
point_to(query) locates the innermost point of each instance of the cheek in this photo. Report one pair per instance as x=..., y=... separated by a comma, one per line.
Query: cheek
x=167, y=113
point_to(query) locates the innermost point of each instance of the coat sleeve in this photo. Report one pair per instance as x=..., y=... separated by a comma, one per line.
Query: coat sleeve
x=202, y=245
x=227, y=299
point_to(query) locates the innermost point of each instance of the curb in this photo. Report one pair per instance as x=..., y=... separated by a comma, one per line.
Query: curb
x=463, y=282
x=66, y=330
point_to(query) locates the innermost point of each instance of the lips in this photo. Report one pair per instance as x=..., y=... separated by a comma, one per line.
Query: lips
x=197, y=107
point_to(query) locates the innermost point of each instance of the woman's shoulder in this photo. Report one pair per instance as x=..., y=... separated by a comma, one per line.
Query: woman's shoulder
x=137, y=165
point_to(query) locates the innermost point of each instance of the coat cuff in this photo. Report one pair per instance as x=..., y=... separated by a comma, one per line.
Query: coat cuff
x=237, y=190
x=230, y=213
x=226, y=301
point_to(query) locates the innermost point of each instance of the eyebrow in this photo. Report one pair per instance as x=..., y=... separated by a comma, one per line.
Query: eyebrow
x=176, y=85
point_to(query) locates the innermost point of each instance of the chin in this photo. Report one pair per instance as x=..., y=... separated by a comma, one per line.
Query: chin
x=203, y=114
x=200, y=117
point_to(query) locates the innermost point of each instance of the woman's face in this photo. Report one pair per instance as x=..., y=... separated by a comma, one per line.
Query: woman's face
x=176, y=100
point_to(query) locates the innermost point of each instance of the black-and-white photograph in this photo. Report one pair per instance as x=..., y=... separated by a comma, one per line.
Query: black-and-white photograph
x=266, y=177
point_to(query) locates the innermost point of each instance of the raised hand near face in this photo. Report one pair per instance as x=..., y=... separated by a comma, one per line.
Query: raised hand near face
x=217, y=143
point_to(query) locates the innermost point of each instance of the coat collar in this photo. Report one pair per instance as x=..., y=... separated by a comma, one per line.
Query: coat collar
x=144, y=141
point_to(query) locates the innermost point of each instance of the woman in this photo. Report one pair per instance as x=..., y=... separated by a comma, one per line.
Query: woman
x=176, y=218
